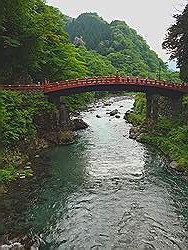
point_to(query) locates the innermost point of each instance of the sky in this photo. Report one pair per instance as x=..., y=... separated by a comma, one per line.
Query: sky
x=150, y=18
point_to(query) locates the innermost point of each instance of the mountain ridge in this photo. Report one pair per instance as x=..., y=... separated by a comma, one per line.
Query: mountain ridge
x=127, y=50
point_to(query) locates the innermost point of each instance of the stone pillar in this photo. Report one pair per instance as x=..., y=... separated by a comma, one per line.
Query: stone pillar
x=148, y=106
x=155, y=108
x=175, y=104
x=62, y=116
x=152, y=109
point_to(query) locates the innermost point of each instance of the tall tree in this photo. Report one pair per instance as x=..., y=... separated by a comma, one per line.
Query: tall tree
x=176, y=42
x=33, y=43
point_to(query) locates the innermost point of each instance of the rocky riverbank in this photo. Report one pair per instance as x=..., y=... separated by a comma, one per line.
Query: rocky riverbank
x=140, y=134
x=167, y=135
x=44, y=131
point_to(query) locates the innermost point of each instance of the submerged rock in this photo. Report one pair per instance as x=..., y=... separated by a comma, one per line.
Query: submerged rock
x=75, y=113
x=113, y=112
x=117, y=116
x=13, y=246
x=107, y=104
x=28, y=163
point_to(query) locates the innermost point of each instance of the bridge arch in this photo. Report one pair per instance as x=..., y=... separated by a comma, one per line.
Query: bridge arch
x=115, y=83
x=106, y=83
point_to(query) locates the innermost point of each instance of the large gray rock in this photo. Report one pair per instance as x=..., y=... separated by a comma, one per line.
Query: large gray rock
x=79, y=124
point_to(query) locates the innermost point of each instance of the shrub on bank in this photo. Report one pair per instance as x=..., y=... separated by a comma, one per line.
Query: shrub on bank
x=21, y=117
x=169, y=136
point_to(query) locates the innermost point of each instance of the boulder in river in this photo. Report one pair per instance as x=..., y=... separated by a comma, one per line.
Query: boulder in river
x=79, y=124
x=127, y=114
x=113, y=112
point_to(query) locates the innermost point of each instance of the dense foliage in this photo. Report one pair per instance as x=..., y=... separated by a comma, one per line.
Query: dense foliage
x=176, y=42
x=21, y=116
x=168, y=135
x=92, y=28
x=96, y=65
x=33, y=44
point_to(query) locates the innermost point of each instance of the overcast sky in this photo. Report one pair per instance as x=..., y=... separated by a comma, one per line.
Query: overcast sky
x=150, y=18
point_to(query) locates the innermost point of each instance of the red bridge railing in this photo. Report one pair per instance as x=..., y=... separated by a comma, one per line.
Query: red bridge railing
x=48, y=87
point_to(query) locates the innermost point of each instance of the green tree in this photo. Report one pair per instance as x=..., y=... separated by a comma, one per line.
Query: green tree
x=97, y=65
x=33, y=43
x=176, y=42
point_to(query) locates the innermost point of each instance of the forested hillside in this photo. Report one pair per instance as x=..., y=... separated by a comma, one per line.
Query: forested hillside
x=121, y=45
x=34, y=46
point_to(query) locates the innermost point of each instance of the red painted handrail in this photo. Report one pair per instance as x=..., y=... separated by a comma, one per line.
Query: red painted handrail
x=48, y=87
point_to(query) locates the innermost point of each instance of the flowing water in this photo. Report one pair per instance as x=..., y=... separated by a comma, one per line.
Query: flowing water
x=105, y=191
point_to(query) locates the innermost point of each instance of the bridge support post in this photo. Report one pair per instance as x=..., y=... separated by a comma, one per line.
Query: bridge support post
x=175, y=104
x=63, y=118
x=148, y=106
x=152, y=110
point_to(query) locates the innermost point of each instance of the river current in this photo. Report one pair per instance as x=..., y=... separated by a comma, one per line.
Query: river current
x=105, y=191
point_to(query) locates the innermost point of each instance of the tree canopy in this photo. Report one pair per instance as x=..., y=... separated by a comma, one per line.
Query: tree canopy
x=33, y=43
x=176, y=42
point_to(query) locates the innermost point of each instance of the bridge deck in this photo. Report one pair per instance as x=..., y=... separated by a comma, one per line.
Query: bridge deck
x=99, y=81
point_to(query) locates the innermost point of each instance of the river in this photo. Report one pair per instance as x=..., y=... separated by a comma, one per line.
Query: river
x=105, y=191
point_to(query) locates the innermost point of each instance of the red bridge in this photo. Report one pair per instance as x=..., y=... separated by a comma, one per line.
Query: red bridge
x=109, y=83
